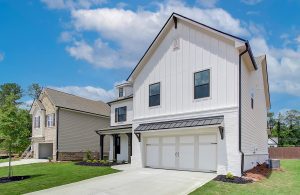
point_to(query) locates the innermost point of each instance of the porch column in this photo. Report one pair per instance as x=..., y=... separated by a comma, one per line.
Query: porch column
x=129, y=135
x=101, y=147
x=114, y=146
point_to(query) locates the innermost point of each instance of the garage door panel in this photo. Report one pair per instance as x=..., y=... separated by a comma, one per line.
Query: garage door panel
x=168, y=156
x=207, y=157
x=152, y=155
x=183, y=152
x=186, y=157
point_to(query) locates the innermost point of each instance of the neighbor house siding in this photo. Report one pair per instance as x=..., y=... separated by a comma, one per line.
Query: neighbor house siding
x=254, y=121
x=76, y=131
x=175, y=68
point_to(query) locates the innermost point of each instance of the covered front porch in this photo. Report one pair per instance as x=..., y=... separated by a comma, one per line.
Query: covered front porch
x=120, y=147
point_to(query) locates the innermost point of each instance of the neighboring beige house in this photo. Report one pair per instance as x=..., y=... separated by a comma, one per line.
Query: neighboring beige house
x=63, y=125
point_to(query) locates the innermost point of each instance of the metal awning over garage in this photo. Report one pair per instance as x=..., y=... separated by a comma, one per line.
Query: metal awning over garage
x=207, y=121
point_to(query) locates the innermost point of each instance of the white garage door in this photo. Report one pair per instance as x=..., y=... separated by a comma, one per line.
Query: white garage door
x=190, y=152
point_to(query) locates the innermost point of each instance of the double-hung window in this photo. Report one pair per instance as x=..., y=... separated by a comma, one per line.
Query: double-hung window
x=120, y=114
x=121, y=92
x=37, y=122
x=154, y=94
x=50, y=120
x=202, y=84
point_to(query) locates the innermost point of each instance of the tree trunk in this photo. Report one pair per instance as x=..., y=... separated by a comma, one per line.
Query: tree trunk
x=9, y=162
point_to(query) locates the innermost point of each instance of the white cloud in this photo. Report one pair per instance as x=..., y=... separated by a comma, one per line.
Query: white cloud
x=283, y=66
x=251, y=2
x=132, y=31
x=88, y=92
x=1, y=56
x=208, y=3
x=72, y=4
x=65, y=36
x=298, y=39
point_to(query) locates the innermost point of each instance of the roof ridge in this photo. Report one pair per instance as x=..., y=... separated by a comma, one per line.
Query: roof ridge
x=75, y=95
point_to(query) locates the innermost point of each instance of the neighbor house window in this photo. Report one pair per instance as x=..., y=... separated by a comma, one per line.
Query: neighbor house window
x=50, y=120
x=121, y=92
x=202, y=84
x=120, y=114
x=154, y=94
x=37, y=122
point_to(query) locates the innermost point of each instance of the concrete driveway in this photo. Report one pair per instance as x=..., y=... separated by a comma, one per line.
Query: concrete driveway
x=136, y=181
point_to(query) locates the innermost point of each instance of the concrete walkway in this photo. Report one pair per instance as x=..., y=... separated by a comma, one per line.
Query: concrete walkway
x=135, y=181
x=24, y=162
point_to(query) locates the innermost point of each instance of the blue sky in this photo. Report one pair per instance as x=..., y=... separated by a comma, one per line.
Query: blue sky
x=85, y=47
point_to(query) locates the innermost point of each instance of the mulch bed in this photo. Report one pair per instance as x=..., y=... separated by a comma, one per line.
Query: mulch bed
x=237, y=180
x=98, y=164
x=13, y=178
x=261, y=171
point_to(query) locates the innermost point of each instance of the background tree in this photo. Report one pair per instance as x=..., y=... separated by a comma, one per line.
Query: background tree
x=14, y=131
x=8, y=89
x=287, y=128
x=34, y=90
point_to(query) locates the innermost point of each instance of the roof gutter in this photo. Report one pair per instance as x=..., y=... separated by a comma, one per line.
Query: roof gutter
x=240, y=106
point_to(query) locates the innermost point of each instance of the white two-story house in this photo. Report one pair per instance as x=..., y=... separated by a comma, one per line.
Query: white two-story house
x=197, y=100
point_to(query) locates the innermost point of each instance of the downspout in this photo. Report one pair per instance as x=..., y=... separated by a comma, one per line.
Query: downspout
x=240, y=107
x=57, y=123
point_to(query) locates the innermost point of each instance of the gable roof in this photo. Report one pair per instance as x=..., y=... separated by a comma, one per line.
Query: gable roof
x=175, y=17
x=76, y=103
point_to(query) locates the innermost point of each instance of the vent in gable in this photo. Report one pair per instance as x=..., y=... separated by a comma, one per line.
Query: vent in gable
x=176, y=44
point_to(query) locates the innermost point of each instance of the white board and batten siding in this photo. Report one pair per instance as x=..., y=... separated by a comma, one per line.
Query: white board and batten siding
x=175, y=68
x=129, y=112
x=254, y=123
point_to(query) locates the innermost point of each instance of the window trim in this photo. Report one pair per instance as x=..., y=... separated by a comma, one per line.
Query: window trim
x=117, y=114
x=52, y=122
x=194, y=84
x=154, y=95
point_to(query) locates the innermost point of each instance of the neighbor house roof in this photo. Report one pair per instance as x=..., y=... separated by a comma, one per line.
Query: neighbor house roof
x=240, y=42
x=195, y=122
x=69, y=101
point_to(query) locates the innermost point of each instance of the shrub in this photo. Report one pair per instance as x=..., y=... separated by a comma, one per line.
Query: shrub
x=95, y=161
x=88, y=155
x=50, y=159
x=89, y=161
x=229, y=176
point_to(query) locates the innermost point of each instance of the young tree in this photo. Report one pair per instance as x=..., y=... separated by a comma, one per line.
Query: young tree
x=14, y=131
x=34, y=90
x=8, y=89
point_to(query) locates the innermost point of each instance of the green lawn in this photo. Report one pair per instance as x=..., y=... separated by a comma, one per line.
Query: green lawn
x=47, y=175
x=279, y=182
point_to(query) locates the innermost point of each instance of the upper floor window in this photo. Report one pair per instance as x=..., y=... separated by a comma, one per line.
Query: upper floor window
x=50, y=120
x=121, y=92
x=202, y=84
x=154, y=94
x=120, y=114
x=36, y=122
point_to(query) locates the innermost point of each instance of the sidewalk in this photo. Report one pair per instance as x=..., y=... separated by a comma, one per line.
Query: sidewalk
x=24, y=162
